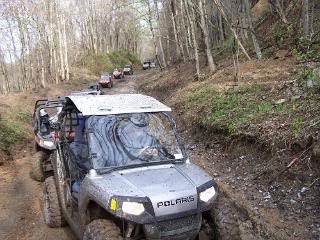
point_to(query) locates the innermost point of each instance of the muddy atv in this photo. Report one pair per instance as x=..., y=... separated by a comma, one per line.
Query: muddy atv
x=45, y=116
x=105, y=80
x=121, y=172
x=146, y=65
x=128, y=69
x=118, y=73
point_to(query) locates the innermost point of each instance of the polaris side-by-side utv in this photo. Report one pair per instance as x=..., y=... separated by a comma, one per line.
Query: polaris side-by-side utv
x=45, y=116
x=121, y=172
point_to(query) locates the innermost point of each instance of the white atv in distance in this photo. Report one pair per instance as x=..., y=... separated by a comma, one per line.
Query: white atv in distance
x=94, y=89
x=121, y=172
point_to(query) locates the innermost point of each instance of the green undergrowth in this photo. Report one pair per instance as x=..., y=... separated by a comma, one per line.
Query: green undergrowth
x=13, y=128
x=100, y=62
x=9, y=134
x=243, y=110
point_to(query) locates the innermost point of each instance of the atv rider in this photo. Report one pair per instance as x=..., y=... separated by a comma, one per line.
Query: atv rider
x=128, y=139
x=44, y=122
x=139, y=140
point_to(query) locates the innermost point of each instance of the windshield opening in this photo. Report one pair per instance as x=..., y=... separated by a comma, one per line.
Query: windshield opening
x=128, y=139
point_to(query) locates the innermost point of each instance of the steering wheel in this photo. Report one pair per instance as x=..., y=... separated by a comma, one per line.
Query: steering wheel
x=155, y=151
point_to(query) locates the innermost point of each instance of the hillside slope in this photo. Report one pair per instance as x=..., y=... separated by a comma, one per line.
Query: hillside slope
x=247, y=133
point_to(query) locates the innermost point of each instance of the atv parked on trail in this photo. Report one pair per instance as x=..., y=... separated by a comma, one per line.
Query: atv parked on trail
x=120, y=172
x=105, y=80
x=118, y=73
x=146, y=65
x=45, y=116
x=128, y=69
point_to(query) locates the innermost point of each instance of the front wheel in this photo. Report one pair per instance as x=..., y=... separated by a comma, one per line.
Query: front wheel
x=109, y=85
x=225, y=219
x=102, y=229
x=37, y=172
x=52, y=212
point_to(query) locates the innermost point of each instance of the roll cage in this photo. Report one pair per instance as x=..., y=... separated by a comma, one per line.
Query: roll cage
x=70, y=118
x=44, y=104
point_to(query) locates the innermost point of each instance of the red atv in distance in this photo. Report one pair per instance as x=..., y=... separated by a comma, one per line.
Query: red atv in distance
x=118, y=73
x=105, y=80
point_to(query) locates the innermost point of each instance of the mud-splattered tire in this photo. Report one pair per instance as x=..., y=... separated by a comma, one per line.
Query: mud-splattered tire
x=36, y=172
x=102, y=229
x=52, y=213
x=225, y=220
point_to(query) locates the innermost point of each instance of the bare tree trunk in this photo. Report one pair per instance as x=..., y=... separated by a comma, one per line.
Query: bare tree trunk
x=221, y=28
x=4, y=70
x=51, y=39
x=164, y=62
x=220, y=8
x=305, y=18
x=312, y=19
x=253, y=35
x=244, y=20
x=188, y=5
x=65, y=47
x=153, y=35
x=15, y=53
x=276, y=4
x=41, y=65
x=204, y=28
x=55, y=63
x=61, y=56
x=186, y=29
x=22, y=39
x=175, y=32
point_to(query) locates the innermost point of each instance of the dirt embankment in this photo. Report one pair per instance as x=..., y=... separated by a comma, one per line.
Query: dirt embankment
x=246, y=133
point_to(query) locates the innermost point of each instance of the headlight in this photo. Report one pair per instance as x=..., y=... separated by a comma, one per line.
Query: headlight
x=133, y=208
x=48, y=143
x=207, y=194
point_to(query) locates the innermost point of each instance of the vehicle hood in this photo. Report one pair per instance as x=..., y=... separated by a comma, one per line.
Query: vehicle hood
x=169, y=189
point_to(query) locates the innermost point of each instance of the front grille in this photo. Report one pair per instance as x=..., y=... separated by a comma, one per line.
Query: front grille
x=174, y=224
x=185, y=227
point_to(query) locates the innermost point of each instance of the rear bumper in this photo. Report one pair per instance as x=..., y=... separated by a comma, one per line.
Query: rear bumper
x=185, y=228
x=104, y=84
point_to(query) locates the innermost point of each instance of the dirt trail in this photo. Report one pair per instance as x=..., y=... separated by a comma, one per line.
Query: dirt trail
x=21, y=216
x=20, y=206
